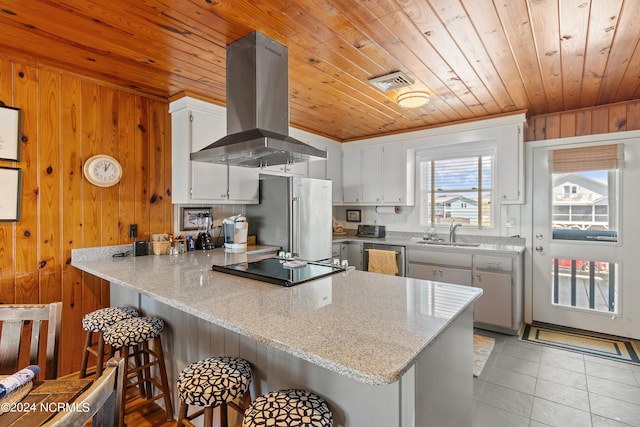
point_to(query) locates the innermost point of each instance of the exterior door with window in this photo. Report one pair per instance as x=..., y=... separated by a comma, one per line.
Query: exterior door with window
x=583, y=271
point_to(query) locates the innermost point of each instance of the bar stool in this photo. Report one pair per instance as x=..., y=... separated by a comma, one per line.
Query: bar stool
x=96, y=322
x=132, y=337
x=288, y=408
x=210, y=383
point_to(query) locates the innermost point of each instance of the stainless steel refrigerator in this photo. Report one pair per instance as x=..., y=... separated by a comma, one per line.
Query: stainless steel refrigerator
x=295, y=214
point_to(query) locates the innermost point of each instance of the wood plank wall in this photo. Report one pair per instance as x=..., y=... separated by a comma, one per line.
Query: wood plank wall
x=623, y=116
x=65, y=120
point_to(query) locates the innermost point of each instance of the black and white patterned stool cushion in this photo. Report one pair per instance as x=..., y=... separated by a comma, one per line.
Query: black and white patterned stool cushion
x=132, y=331
x=99, y=320
x=214, y=381
x=288, y=408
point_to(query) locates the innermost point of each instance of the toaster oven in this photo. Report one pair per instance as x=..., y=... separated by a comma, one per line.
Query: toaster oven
x=371, y=230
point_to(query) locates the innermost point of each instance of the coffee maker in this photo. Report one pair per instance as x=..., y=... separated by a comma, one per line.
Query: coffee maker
x=204, y=241
x=235, y=233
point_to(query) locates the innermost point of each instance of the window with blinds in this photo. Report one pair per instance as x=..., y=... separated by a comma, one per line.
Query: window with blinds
x=585, y=195
x=457, y=189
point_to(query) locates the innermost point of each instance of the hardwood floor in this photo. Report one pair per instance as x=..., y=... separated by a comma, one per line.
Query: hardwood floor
x=151, y=416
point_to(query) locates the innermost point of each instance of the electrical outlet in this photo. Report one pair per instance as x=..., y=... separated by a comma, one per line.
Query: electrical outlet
x=133, y=230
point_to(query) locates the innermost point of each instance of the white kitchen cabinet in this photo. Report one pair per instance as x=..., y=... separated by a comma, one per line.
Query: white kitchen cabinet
x=334, y=171
x=495, y=306
x=440, y=266
x=398, y=183
x=194, y=125
x=354, y=253
x=511, y=165
x=378, y=175
x=351, y=175
x=439, y=273
x=297, y=169
x=499, y=276
x=371, y=172
x=349, y=251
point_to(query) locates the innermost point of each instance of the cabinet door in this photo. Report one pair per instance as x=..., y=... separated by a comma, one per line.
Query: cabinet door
x=351, y=179
x=438, y=273
x=334, y=171
x=208, y=181
x=243, y=184
x=496, y=303
x=371, y=174
x=354, y=255
x=511, y=165
x=298, y=169
x=394, y=175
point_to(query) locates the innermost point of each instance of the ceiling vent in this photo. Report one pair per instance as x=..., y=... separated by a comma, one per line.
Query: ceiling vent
x=392, y=81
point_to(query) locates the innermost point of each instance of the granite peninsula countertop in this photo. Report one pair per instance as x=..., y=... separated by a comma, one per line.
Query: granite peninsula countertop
x=369, y=327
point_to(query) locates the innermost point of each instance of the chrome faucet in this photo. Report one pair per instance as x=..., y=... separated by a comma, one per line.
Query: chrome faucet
x=452, y=231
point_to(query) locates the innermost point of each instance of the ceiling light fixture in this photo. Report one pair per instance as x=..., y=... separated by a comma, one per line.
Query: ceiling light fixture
x=413, y=99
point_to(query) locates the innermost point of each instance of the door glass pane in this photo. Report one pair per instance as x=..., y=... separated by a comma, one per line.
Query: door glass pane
x=591, y=285
x=585, y=206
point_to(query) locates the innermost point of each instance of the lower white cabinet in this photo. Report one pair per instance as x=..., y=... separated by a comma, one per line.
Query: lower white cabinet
x=350, y=251
x=499, y=276
x=495, y=306
x=439, y=273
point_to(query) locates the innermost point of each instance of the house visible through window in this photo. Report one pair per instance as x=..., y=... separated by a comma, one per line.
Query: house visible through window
x=456, y=189
x=585, y=193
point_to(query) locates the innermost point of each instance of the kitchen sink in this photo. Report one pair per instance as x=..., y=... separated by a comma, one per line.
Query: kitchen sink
x=453, y=244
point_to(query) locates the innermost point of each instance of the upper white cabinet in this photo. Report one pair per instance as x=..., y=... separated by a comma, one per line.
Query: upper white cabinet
x=351, y=178
x=371, y=172
x=380, y=174
x=511, y=165
x=398, y=183
x=194, y=125
x=298, y=169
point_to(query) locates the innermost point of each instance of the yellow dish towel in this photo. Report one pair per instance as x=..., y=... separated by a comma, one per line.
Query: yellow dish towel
x=383, y=262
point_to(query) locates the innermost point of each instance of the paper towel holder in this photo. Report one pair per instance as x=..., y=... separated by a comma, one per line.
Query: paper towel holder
x=388, y=209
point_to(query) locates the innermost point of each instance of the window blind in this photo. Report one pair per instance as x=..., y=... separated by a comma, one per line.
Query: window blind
x=599, y=157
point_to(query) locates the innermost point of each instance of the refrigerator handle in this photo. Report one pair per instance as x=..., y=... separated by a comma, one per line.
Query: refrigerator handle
x=295, y=241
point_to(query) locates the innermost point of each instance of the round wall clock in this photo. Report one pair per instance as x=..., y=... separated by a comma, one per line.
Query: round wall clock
x=102, y=170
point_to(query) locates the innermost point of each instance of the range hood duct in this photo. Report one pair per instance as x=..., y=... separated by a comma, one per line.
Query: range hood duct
x=257, y=109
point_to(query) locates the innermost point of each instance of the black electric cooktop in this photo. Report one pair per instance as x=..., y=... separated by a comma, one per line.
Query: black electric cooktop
x=272, y=270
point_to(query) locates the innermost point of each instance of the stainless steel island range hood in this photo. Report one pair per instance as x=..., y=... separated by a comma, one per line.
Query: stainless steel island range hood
x=257, y=109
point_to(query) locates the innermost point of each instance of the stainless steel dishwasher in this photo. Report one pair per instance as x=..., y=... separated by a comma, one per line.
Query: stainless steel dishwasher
x=399, y=250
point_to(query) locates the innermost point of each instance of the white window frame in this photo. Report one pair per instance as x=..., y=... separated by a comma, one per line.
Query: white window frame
x=453, y=152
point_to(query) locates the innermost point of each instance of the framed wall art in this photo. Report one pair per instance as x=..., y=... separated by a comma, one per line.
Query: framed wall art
x=10, y=190
x=10, y=133
x=192, y=218
x=353, y=215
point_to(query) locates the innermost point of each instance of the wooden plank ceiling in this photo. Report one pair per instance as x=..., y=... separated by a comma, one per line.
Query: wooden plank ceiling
x=477, y=58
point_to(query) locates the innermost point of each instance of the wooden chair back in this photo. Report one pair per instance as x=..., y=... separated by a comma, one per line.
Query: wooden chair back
x=23, y=323
x=101, y=403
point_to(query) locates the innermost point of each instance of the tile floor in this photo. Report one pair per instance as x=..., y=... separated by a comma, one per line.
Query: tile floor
x=530, y=385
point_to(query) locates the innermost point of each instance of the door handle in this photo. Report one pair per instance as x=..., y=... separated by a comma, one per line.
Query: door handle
x=539, y=248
